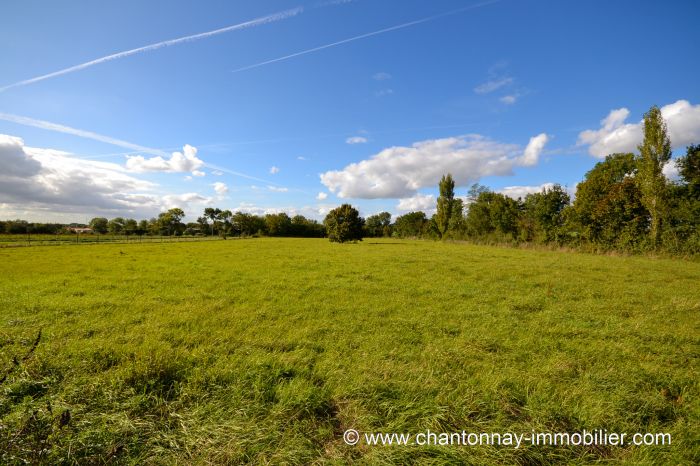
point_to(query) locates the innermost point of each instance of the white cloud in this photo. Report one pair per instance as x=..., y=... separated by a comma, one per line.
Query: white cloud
x=356, y=140
x=381, y=76
x=15, y=161
x=534, y=149
x=179, y=162
x=217, y=172
x=274, y=170
x=670, y=170
x=399, y=172
x=493, y=85
x=516, y=192
x=322, y=196
x=184, y=201
x=313, y=212
x=220, y=188
x=384, y=92
x=47, y=183
x=301, y=158
x=278, y=189
x=198, y=173
x=682, y=119
x=509, y=99
x=423, y=202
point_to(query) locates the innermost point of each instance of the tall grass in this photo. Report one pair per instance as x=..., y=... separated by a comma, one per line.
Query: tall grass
x=265, y=351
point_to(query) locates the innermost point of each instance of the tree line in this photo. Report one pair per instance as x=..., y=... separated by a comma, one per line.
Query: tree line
x=624, y=203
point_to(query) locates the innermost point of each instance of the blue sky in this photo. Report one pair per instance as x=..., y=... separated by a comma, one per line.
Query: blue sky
x=508, y=93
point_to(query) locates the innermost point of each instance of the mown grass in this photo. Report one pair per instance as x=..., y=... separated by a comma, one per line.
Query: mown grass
x=264, y=351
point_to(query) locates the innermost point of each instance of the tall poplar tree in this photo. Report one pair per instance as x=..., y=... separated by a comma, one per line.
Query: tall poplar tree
x=445, y=204
x=654, y=152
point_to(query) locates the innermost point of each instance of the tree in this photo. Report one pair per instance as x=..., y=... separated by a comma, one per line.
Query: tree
x=278, y=224
x=130, y=226
x=445, y=204
x=99, y=225
x=170, y=222
x=544, y=209
x=303, y=227
x=213, y=215
x=245, y=224
x=689, y=170
x=608, y=210
x=143, y=227
x=411, y=225
x=682, y=232
x=493, y=214
x=116, y=225
x=378, y=225
x=225, y=222
x=654, y=152
x=344, y=224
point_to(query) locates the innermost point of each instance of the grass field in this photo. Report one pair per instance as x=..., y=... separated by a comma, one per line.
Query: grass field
x=265, y=351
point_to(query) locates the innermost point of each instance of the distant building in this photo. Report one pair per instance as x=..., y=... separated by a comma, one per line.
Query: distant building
x=79, y=230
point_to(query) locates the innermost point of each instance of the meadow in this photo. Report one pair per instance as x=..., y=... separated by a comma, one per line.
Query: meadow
x=264, y=351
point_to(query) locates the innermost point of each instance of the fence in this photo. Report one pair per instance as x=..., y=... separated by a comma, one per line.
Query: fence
x=7, y=241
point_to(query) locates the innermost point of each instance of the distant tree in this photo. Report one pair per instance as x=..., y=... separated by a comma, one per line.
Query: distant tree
x=475, y=190
x=689, y=170
x=225, y=221
x=130, y=226
x=212, y=214
x=411, y=225
x=378, y=225
x=683, y=226
x=245, y=224
x=170, y=222
x=457, y=226
x=303, y=227
x=143, y=227
x=202, y=225
x=608, y=210
x=445, y=204
x=115, y=225
x=544, y=209
x=344, y=224
x=278, y=224
x=654, y=152
x=492, y=214
x=99, y=225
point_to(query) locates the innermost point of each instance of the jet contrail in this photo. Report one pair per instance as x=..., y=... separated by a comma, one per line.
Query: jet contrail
x=26, y=121
x=255, y=22
x=21, y=120
x=369, y=34
x=242, y=175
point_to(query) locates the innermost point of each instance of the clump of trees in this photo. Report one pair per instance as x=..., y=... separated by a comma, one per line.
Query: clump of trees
x=624, y=203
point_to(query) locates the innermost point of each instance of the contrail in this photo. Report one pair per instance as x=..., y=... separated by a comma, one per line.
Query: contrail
x=26, y=121
x=248, y=24
x=364, y=36
x=21, y=120
x=242, y=175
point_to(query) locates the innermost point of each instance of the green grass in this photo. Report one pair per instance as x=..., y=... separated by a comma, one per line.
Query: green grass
x=264, y=351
